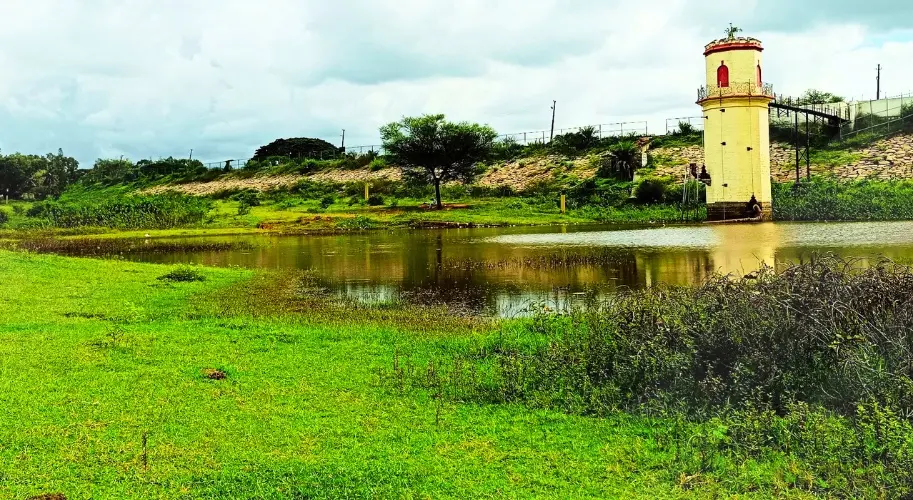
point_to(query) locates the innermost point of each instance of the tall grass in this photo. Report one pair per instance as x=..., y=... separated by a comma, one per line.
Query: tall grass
x=814, y=363
x=828, y=199
x=127, y=212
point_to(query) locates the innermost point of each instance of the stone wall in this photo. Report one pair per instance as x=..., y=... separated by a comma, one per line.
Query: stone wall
x=890, y=158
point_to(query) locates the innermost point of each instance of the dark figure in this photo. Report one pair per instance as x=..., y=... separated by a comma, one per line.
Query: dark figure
x=753, y=208
x=704, y=177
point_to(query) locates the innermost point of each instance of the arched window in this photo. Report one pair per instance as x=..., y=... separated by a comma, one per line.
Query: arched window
x=760, y=81
x=722, y=75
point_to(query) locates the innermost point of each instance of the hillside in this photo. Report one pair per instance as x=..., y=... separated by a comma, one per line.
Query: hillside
x=890, y=158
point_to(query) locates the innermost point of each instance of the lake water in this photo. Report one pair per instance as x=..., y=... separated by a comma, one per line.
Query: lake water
x=507, y=271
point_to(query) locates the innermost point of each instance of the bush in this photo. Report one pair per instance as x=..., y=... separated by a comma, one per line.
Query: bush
x=651, y=190
x=375, y=200
x=243, y=208
x=183, y=274
x=378, y=163
x=4, y=217
x=326, y=201
x=247, y=197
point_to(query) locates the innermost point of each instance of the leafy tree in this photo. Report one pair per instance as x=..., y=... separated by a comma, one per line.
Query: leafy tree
x=41, y=176
x=430, y=149
x=299, y=147
x=111, y=171
x=812, y=96
x=59, y=172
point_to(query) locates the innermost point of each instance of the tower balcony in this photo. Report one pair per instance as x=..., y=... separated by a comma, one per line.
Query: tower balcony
x=735, y=89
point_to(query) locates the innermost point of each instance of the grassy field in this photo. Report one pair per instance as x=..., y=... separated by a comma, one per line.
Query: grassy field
x=106, y=390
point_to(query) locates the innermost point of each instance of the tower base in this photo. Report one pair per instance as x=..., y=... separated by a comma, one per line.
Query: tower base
x=728, y=210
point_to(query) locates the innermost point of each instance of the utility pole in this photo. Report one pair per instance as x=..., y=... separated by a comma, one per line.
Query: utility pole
x=878, y=84
x=552, y=134
x=343, y=140
x=191, y=154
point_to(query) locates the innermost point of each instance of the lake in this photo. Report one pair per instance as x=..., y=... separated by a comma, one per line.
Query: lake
x=508, y=271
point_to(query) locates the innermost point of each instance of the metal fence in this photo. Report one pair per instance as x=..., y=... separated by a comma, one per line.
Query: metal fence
x=601, y=130
x=696, y=122
x=880, y=117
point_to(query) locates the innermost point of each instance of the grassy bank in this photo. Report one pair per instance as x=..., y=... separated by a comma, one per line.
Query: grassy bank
x=123, y=380
x=829, y=199
x=110, y=213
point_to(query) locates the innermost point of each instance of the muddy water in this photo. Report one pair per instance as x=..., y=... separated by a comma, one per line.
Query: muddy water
x=506, y=271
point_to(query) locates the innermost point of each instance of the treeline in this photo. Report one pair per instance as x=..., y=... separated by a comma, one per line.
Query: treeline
x=37, y=176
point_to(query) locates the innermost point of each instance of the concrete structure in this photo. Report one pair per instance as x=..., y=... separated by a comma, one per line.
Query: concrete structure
x=736, y=130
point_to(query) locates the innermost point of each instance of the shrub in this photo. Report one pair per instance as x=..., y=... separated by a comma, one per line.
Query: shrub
x=243, y=208
x=359, y=222
x=326, y=201
x=4, y=217
x=378, y=163
x=375, y=200
x=183, y=274
x=248, y=197
x=454, y=191
x=651, y=190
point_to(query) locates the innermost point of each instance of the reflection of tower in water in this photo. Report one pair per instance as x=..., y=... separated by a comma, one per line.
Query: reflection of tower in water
x=743, y=248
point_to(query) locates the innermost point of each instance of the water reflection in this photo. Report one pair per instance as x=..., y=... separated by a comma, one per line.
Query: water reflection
x=507, y=270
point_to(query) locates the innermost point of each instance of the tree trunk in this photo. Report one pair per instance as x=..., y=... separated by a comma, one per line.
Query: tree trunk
x=437, y=193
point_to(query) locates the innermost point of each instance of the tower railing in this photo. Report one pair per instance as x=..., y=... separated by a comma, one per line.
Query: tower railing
x=735, y=89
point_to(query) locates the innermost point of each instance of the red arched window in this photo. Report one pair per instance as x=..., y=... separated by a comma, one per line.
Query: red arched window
x=722, y=75
x=760, y=81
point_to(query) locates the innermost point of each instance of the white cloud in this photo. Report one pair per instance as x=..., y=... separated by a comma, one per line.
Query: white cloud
x=156, y=78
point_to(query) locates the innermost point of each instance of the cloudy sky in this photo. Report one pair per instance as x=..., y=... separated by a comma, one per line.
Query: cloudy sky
x=153, y=78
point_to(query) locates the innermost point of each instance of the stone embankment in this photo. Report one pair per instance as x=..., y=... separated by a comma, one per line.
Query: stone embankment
x=890, y=158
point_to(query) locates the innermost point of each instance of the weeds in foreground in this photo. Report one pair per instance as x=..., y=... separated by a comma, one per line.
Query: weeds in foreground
x=812, y=366
x=183, y=274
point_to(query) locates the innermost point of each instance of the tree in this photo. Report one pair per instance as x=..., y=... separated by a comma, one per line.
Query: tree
x=813, y=96
x=299, y=147
x=58, y=173
x=430, y=149
x=112, y=171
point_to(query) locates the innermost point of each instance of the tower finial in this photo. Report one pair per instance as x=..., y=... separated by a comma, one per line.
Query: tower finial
x=731, y=31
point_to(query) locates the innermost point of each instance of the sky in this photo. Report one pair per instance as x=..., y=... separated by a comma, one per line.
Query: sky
x=158, y=78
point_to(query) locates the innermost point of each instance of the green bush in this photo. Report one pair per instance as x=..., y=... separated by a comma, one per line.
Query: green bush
x=4, y=217
x=375, y=200
x=243, y=208
x=651, y=190
x=247, y=197
x=183, y=274
x=128, y=212
x=326, y=201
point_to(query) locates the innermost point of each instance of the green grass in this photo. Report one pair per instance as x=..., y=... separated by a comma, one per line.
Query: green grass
x=96, y=355
x=829, y=199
